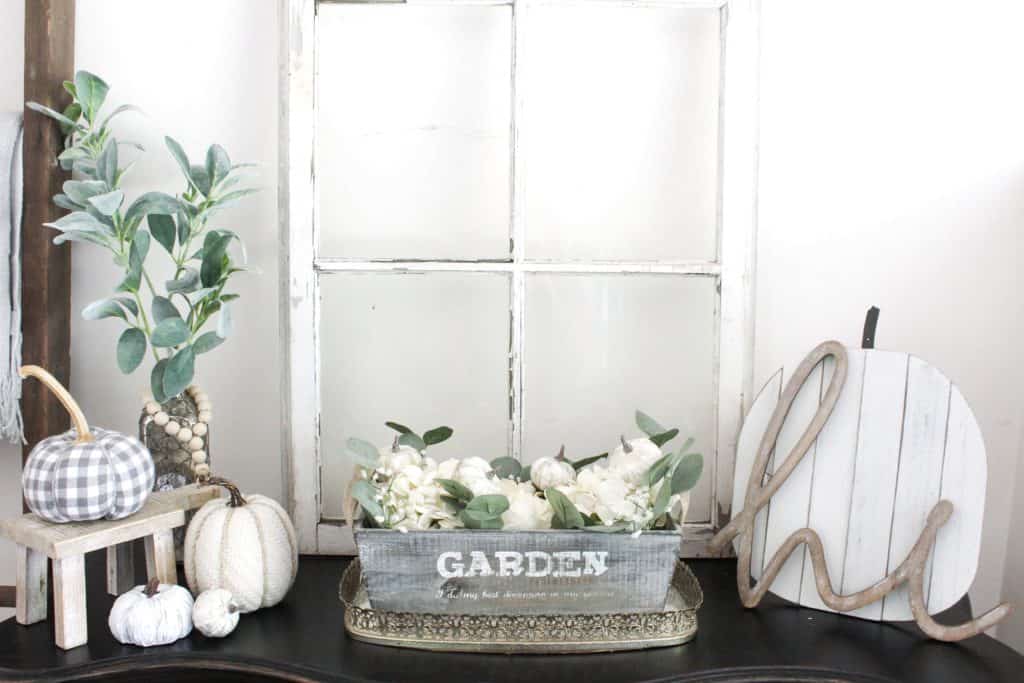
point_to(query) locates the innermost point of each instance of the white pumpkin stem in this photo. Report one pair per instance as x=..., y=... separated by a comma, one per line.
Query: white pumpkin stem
x=625, y=444
x=62, y=394
x=152, y=588
x=561, y=454
x=236, y=496
x=394, y=446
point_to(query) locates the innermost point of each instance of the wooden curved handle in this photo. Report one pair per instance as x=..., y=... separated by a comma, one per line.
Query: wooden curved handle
x=70, y=405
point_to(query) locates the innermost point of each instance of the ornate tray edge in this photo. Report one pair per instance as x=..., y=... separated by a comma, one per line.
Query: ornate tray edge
x=683, y=581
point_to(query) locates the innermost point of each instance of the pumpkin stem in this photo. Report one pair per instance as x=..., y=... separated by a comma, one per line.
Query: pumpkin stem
x=236, y=496
x=625, y=444
x=394, y=446
x=152, y=587
x=561, y=454
x=62, y=394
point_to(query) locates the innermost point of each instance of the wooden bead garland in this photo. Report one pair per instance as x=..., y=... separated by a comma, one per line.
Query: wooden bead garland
x=190, y=438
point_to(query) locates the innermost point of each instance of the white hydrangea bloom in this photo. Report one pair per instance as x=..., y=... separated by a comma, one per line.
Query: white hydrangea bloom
x=527, y=510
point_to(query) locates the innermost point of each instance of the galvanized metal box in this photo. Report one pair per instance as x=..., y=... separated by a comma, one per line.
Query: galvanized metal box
x=517, y=572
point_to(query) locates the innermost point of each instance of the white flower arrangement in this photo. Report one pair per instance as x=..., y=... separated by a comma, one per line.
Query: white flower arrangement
x=638, y=486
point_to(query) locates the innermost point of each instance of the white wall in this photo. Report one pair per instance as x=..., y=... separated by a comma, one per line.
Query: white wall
x=892, y=173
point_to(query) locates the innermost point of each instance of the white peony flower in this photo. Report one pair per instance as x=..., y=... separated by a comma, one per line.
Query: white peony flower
x=631, y=459
x=604, y=492
x=412, y=499
x=526, y=509
x=394, y=459
x=477, y=475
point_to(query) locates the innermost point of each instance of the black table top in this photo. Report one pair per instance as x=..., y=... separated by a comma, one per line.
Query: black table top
x=303, y=639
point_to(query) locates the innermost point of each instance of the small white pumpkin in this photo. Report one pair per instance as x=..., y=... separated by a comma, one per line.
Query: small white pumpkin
x=546, y=473
x=154, y=614
x=245, y=545
x=631, y=459
x=215, y=614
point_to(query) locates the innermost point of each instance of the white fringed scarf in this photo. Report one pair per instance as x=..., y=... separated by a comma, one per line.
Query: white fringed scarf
x=10, y=276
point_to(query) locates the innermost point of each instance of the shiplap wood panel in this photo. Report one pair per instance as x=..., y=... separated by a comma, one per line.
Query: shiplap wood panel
x=900, y=438
x=920, y=478
x=874, y=482
x=790, y=505
x=835, y=461
x=963, y=484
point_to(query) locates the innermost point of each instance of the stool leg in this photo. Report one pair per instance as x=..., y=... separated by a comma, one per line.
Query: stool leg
x=120, y=568
x=70, y=626
x=160, y=556
x=30, y=588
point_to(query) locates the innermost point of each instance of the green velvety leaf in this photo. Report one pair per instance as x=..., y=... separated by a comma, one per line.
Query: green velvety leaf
x=661, y=467
x=218, y=165
x=186, y=283
x=506, y=467
x=106, y=165
x=81, y=221
x=437, y=435
x=136, y=257
x=163, y=230
x=91, y=91
x=55, y=115
x=81, y=236
x=79, y=191
x=473, y=523
x=207, y=342
x=660, y=440
x=565, y=516
x=583, y=462
x=688, y=473
x=151, y=202
x=104, y=308
x=201, y=179
x=131, y=348
x=65, y=202
x=156, y=380
x=108, y=204
x=483, y=508
x=170, y=332
x=179, y=372
x=400, y=428
x=179, y=155
x=413, y=441
x=364, y=452
x=214, y=247
x=163, y=309
x=456, y=490
x=127, y=304
x=366, y=494
x=661, y=501
x=647, y=424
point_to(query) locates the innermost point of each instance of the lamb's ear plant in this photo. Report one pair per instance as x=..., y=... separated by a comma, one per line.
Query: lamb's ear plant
x=174, y=324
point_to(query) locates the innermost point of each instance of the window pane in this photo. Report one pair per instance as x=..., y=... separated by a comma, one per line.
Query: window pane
x=413, y=137
x=600, y=347
x=423, y=350
x=620, y=132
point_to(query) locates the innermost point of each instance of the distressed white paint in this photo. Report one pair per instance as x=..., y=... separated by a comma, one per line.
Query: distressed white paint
x=900, y=438
x=732, y=267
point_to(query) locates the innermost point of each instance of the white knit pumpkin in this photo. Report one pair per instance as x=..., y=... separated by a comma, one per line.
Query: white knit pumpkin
x=546, y=473
x=156, y=614
x=215, y=614
x=245, y=545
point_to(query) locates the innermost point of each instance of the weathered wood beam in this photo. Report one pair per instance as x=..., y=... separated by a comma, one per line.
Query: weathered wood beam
x=46, y=267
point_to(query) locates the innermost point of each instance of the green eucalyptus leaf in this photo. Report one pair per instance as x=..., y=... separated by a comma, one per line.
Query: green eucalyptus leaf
x=179, y=155
x=207, y=341
x=201, y=179
x=400, y=428
x=156, y=380
x=660, y=440
x=471, y=522
x=106, y=165
x=104, y=308
x=412, y=440
x=487, y=507
x=565, y=516
x=170, y=332
x=184, y=226
x=218, y=165
x=688, y=473
x=366, y=494
x=364, y=452
x=179, y=372
x=128, y=304
x=647, y=424
x=661, y=501
x=108, y=204
x=186, y=283
x=91, y=91
x=435, y=436
x=73, y=154
x=136, y=257
x=583, y=462
x=661, y=467
x=214, y=247
x=65, y=202
x=151, y=202
x=456, y=490
x=163, y=309
x=163, y=230
x=131, y=348
x=80, y=190
x=82, y=236
x=225, y=324
x=81, y=221
x=65, y=121
x=506, y=467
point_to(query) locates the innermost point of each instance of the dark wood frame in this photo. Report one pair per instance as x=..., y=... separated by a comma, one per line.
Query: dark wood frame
x=46, y=267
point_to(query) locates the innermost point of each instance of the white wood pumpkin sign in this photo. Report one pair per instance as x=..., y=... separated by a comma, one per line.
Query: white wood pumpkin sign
x=900, y=438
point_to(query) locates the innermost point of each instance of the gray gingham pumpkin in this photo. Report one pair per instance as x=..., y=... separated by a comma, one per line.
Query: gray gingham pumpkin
x=84, y=474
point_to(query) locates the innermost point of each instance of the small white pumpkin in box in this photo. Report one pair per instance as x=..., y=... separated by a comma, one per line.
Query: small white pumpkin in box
x=154, y=614
x=243, y=544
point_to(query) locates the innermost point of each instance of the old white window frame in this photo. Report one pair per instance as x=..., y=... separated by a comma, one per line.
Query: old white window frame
x=297, y=207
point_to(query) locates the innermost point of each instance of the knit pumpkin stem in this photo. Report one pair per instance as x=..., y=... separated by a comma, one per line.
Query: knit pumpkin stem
x=62, y=394
x=236, y=496
x=152, y=588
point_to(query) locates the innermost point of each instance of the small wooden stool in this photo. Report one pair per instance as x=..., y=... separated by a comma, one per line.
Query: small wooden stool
x=66, y=544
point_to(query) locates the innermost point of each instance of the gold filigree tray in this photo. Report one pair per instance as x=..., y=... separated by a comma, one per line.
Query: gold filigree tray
x=510, y=633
